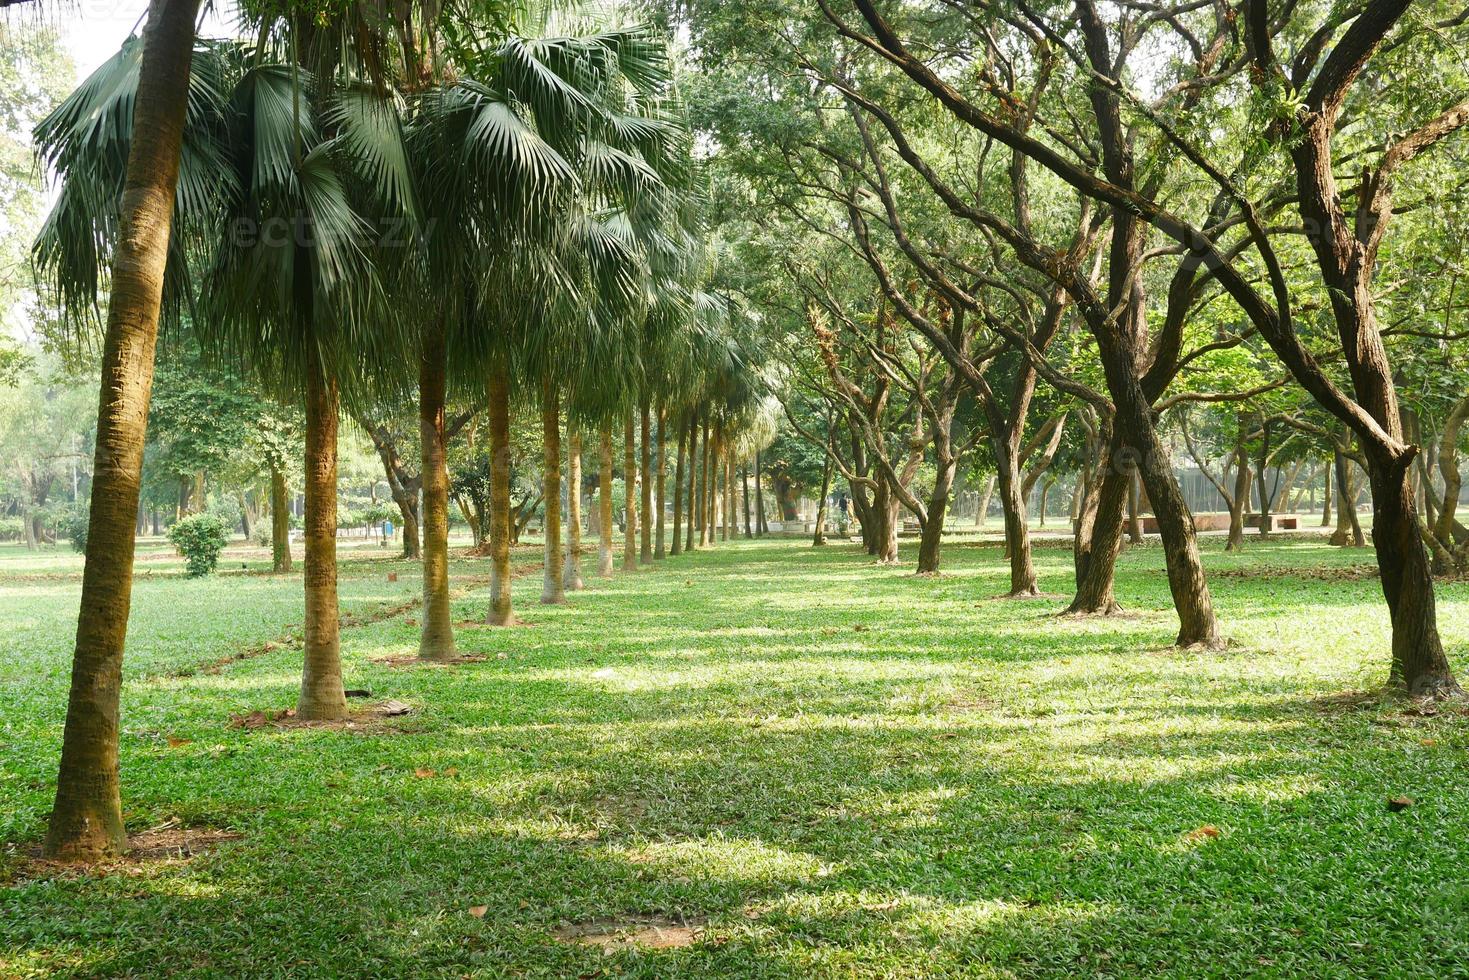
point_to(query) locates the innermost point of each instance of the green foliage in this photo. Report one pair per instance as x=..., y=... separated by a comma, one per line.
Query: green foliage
x=200, y=538
x=12, y=528
x=75, y=524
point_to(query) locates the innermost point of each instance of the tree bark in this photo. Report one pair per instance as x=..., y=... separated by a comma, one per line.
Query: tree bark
x=693, y=506
x=819, y=538
x=322, y=696
x=704, y=486
x=645, y=476
x=280, y=522
x=436, y=632
x=1099, y=537
x=661, y=470
x=553, y=591
x=630, y=494
x=1017, y=528
x=604, y=501
x=86, y=821
x=501, y=612
x=761, y=528
x=571, y=579
x=745, y=493
x=678, y=485
x=1240, y=499
x=1326, y=472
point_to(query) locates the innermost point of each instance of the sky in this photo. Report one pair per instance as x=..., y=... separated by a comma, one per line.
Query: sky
x=93, y=30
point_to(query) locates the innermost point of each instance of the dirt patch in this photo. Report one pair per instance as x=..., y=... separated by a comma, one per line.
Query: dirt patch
x=1346, y=573
x=632, y=932
x=1024, y=596
x=413, y=660
x=167, y=844
x=965, y=703
x=369, y=720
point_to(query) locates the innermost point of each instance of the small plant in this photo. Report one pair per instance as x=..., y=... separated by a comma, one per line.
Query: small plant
x=75, y=524
x=200, y=539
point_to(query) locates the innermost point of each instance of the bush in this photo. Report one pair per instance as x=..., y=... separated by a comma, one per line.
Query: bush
x=74, y=524
x=12, y=528
x=200, y=539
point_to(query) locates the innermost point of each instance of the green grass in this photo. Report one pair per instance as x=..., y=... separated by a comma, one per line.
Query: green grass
x=839, y=769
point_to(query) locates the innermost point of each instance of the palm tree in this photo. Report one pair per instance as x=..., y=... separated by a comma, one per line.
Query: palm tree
x=119, y=194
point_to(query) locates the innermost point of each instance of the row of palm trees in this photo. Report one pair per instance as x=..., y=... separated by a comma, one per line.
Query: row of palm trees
x=519, y=215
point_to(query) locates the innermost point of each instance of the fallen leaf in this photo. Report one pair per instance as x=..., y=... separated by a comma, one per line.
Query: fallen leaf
x=478, y=911
x=1399, y=803
x=285, y=714
x=255, y=719
x=1202, y=833
x=392, y=576
x=175, y=742
x=392, y=709
x=452, y=771
x=1428, y=742
x=424, y=773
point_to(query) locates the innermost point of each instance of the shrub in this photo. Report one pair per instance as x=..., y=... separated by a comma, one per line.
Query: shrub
x=75, y=524
x=200, y=539
x=12, y=528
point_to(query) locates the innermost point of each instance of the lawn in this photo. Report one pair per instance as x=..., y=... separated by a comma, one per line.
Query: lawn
x=819, y=767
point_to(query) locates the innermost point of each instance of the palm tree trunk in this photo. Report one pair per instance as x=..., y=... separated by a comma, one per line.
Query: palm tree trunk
x=661, y=468
x=280, y=522
x=630, y=493
x=698, y=479
x=692, y=505
x=745, y=492
x=86, y=821
x=731, y=520
x=571, y=576
x=501, y=612
x=760, y=526
x=436, y=636
x=604, y=503
x=322, y=696
x=552, y=589
x=645, y=555
x=678, y=495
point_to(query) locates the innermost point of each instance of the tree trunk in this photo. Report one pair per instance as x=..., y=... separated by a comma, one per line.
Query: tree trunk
x=86, y=821
x=731, y=519
x=322, y=696
x=692, y=506
x=661, y=470
x=1099, y=539
x=1134, y=519
x=819, y=538
x=704, y=487
x=1418, y=661
x=436, y=633
x=645, y=485
x=1240, y=499
x=745, y=493
x=885, y=516
x=930, y=545
x=761, y=528
x=280, y=522
x=553, y=591
x=571, y=579
x=630, y=494
x=1326, y=494
x=981, y=516
x=604, y=502
x=501, y=612
x=678, y=484
x=1017, y=527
